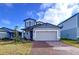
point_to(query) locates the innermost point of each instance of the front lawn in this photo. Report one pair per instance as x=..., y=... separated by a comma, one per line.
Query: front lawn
x=71, y=42
x=10, y=48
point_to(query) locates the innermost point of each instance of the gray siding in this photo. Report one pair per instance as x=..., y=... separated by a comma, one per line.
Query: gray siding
x=3, y=35
x=78, y=32
x=78, y=26
x=69, y=24
x=71, y=33
x=69, y=29
x=78, y=20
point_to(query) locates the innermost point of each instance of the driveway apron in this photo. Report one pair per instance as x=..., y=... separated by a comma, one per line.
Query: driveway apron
x=53, y=48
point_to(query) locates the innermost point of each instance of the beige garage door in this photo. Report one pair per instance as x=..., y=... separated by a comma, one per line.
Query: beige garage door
x=46, y=35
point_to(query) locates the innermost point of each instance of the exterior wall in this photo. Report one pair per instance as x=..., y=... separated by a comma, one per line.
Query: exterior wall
x=48, y=29
x=78, y=20
x=11, y=35
x=27, y=34
x=78, y=32
x=69, y=24
x=78, y=26
x=70, y=33
x=29, y=23
x=3, y=35
x=23, y=33
x=69, y=28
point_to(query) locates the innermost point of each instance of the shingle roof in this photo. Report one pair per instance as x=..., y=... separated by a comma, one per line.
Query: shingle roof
x=29, y=19
x=4, y=29
x=39, y=25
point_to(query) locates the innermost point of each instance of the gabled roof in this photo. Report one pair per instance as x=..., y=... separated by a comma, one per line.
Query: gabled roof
x=4, y=29
x=68, y=18
x=44, y=25
x=29, y=19
x=39, y=22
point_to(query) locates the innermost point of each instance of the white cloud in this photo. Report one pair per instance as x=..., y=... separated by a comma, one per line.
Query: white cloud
x=45, y=5
x=5, y=21
x=41, y=14
x=60, y=12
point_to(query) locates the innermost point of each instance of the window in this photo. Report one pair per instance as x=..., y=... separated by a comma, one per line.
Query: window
x=29, y=23
x=27, y=33
x=26, y=24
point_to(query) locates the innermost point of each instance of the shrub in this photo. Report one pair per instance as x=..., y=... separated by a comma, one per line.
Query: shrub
x=16, y=35
x=6, y=39
x=65, y=39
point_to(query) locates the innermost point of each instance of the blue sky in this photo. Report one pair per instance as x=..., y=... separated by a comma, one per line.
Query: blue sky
x=14, y=14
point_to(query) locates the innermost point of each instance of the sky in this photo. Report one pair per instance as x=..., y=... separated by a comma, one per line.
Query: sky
x=13, y=14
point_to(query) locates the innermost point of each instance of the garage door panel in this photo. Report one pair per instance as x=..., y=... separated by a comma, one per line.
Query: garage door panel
x=46, y=35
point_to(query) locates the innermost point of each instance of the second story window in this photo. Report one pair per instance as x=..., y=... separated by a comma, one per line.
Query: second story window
x=29, y=23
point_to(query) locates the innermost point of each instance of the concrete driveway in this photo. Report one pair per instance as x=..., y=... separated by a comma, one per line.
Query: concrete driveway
x=53, y=48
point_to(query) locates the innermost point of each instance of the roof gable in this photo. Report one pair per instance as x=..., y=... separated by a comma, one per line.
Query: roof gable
x=29, y=19
x=4, y=29
x=44, y=25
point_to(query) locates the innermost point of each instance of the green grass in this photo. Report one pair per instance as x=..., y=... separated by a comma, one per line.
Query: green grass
x=71, y=42
x=10, y=48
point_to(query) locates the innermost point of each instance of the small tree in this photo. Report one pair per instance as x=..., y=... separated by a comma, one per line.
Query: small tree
x=16, y=35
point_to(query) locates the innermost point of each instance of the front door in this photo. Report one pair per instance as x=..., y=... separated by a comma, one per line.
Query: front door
x=31, y=35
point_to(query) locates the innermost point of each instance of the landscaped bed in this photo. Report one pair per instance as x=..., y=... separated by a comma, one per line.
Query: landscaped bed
x=71, y=42
x=10, y=48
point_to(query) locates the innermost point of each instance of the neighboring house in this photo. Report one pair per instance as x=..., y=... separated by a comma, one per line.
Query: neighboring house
x=6, y=33
x=70, y=27
x=40, y=31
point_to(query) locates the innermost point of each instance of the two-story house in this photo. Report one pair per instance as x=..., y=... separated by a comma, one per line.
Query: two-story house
x=70, y=27
x=40, y=31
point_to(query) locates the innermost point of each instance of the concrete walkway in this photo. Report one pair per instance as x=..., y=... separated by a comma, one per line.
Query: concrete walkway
x=53, y=48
